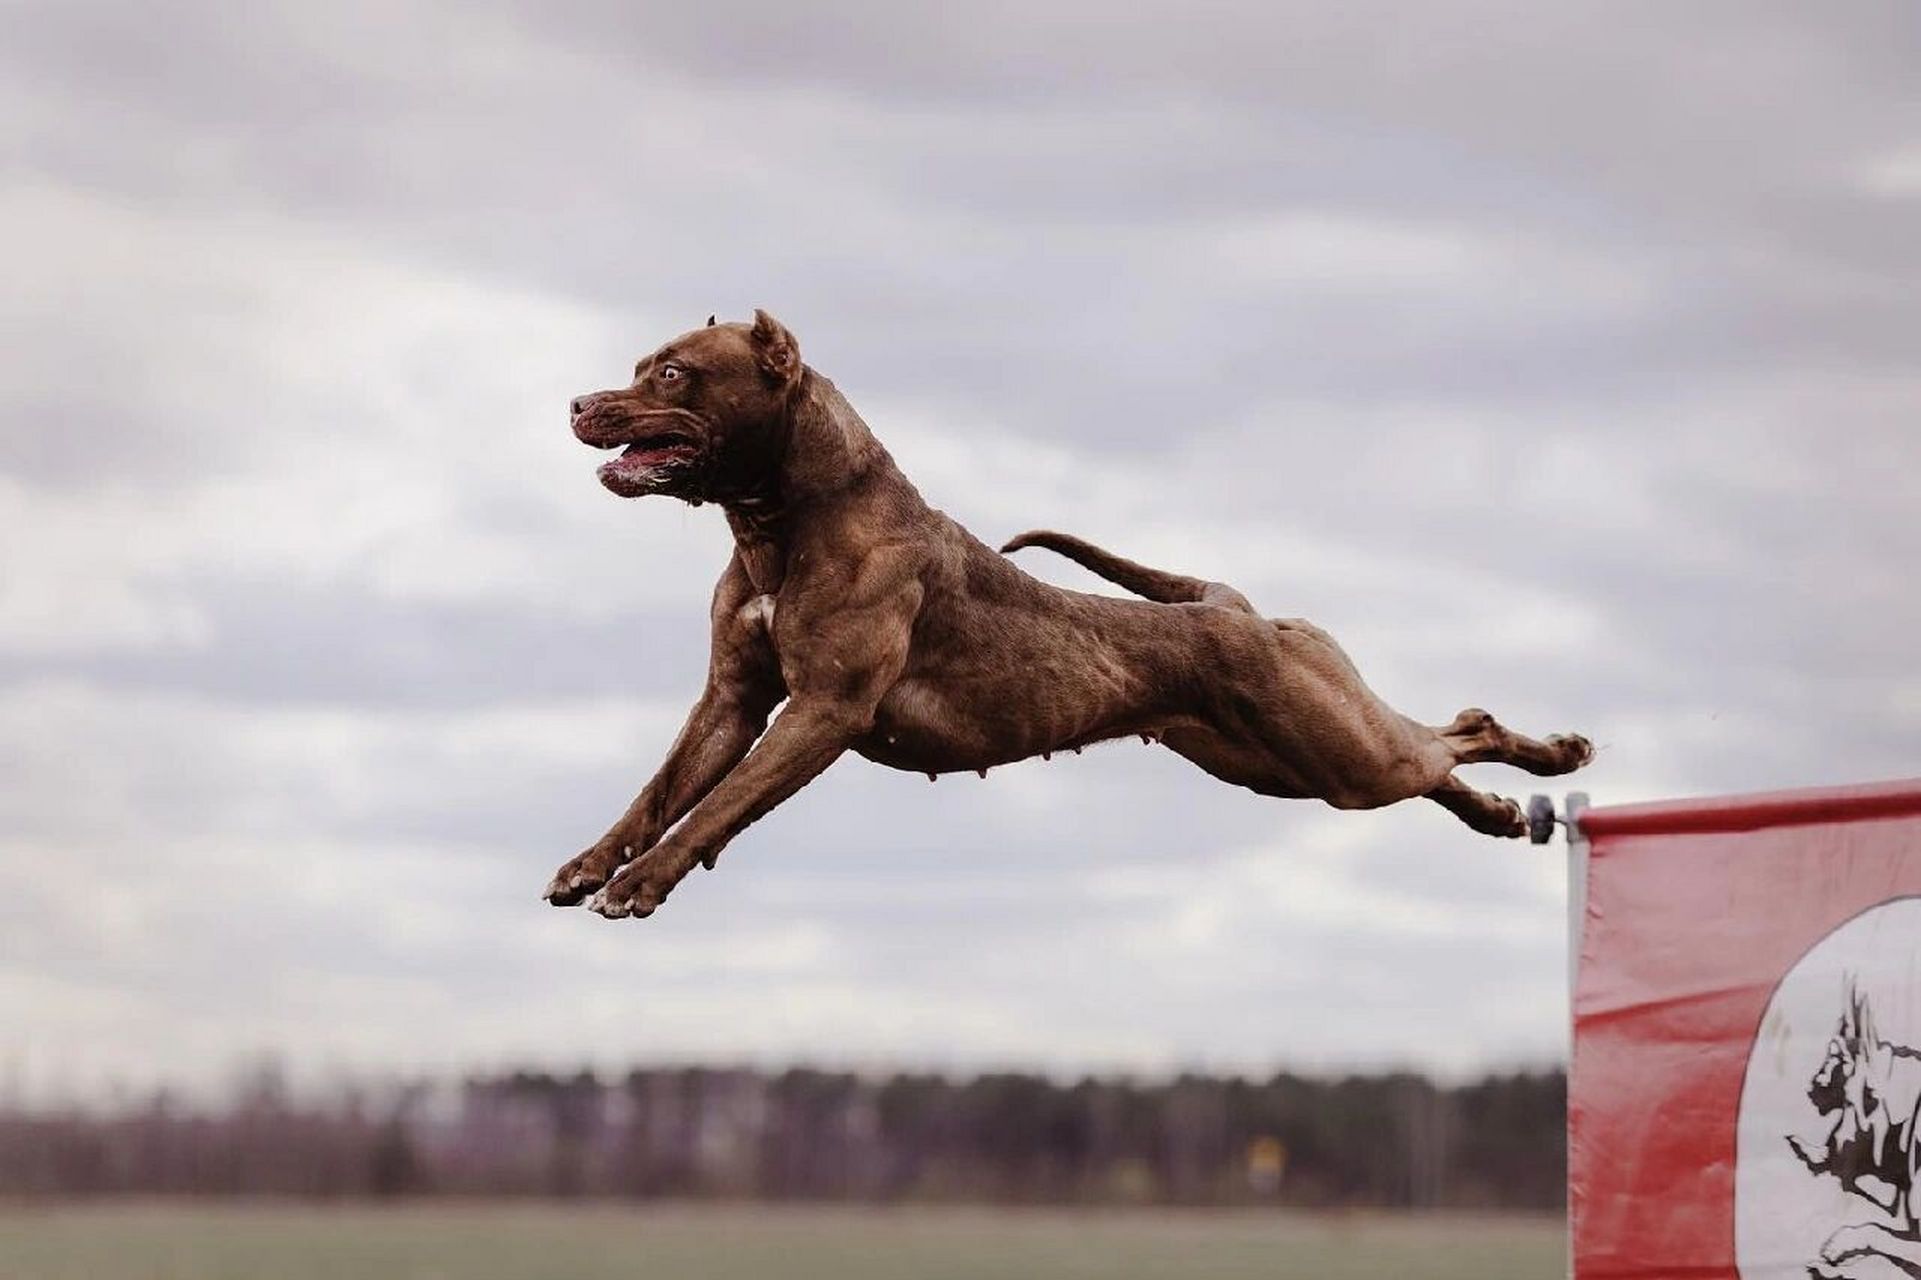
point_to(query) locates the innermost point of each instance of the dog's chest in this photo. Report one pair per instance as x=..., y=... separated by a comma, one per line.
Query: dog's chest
x=917, y=724
x=763, y=557
x=757, y=615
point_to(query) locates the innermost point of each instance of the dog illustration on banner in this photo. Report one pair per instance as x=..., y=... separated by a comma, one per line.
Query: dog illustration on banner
x=1868, y=1093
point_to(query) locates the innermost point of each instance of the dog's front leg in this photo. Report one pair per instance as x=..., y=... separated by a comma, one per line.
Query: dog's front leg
x=805, y=738
x=719, y=731
x=743, y=687
x=838, y=666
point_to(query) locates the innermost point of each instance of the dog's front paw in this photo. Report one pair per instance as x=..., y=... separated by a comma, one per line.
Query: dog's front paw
x=639, y=889
x=580, y=876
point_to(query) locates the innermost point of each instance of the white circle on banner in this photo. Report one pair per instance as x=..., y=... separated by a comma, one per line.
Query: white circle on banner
x=1825, y=1144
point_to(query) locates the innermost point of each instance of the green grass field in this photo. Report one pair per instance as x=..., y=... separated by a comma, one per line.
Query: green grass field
x=196, y=1241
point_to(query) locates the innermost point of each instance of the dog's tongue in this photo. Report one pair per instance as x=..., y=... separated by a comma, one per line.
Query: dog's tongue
x=636, y=464
x=625, y=467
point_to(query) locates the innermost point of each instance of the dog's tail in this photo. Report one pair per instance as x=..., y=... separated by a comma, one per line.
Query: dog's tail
x=1156, y=584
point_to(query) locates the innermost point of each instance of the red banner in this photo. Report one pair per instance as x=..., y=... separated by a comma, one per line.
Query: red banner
x=1746, y=1083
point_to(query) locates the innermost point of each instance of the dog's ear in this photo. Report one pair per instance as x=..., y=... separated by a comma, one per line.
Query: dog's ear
x=775, y=350
x=710, y=322
x=1863, y=1016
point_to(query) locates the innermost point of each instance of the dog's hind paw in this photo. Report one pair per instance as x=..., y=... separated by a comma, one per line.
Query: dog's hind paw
x=1510, y=819
x=1575, y=749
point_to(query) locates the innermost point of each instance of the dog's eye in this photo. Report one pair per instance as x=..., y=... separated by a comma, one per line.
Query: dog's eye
x=668, y=373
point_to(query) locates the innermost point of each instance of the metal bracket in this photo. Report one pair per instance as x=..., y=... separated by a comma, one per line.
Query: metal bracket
x=1542, y=819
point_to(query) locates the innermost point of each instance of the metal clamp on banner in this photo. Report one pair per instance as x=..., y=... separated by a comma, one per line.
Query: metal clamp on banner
x=1542, y=819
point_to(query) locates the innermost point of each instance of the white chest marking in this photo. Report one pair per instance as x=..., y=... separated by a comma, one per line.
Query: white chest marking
x=759, y=610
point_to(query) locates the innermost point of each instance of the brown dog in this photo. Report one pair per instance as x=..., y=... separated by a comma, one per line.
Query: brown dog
x=890, y=630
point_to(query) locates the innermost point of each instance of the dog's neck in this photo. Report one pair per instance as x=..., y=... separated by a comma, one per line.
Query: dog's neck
x=826, y=455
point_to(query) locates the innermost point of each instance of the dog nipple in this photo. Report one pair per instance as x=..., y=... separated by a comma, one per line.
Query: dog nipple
x=981, y=772
x=1047, y=755
x=933, y=777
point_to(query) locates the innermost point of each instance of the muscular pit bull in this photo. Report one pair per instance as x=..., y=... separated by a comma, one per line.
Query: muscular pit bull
x=887, y=629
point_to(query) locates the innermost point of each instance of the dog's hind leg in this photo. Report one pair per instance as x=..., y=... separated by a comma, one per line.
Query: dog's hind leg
x=1488, y=814
x=1238, y=763
x=1476, y=736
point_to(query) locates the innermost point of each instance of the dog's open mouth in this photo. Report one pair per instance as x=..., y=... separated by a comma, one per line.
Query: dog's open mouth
x=644, y=464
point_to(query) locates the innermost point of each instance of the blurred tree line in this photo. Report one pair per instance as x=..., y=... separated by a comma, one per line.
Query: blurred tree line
x=1379, y=1140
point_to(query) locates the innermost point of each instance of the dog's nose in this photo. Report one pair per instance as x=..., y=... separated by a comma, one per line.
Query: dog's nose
x=578, y=405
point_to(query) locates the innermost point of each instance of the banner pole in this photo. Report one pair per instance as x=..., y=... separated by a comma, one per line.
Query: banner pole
x=1573, y=807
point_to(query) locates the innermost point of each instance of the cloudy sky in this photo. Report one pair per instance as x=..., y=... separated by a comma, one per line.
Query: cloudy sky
x=1560, y=359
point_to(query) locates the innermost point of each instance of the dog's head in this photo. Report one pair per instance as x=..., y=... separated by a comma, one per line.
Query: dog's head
x=1847, y=1091
x=704, y=415
x=1840, y=1083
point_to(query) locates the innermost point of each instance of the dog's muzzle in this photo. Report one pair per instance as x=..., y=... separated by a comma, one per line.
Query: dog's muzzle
x=660, y=445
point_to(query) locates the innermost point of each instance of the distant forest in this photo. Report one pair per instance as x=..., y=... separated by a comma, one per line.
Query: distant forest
x=700, y=1133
